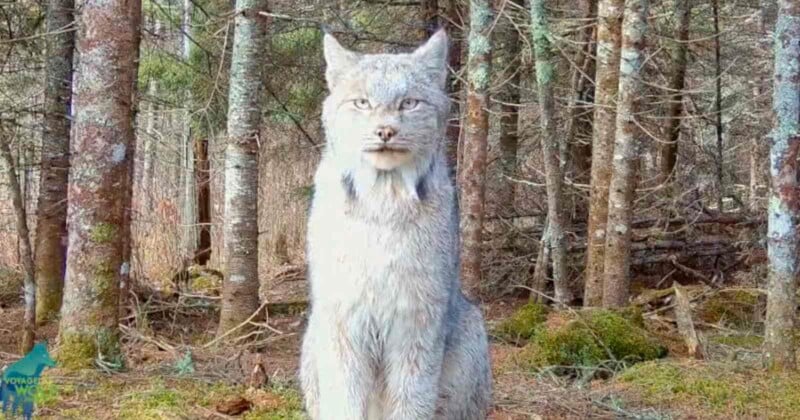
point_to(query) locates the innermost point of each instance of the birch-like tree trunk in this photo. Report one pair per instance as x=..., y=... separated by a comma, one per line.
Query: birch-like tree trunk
x=108, y=44
x=189, y=195
x=51, y=226
x=240, y=288
x=609, y=37
x=669, y=149
x=545, y=80
x=473, y=174
x=784, y=202
x=25, y=250
x=616, y=283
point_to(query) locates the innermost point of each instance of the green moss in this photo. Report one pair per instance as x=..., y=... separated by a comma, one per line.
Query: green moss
x=151, y=404
x=747, y=341
x=103, y=233
x=76, y=351
x=206, y=284
x=734, y=307
x=593, y=338
x=523, y=324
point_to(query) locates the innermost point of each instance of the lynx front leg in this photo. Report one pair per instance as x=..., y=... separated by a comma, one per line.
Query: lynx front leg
x=413, y=366
x=343, y=370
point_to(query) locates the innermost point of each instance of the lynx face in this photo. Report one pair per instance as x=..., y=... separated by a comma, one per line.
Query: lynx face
x=386, y=111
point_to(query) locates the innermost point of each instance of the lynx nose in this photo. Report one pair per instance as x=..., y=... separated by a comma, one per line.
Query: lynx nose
x=385, y=133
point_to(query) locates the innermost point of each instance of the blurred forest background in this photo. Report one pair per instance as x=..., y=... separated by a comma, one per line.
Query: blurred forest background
x=627, y=171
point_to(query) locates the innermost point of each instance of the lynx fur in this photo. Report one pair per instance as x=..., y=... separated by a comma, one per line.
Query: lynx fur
x=390, y=335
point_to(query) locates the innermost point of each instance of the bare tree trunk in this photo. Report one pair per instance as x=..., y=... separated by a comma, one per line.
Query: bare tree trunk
x=240, y=289
x=758, y=181
x=108, y=41
x=718, y=108
x=580, y=117
x=784, y=203
x=616, y=283
x=669, y=149
x=609, y=37
x=51, y=225
x=26, y=254
x=556, y=225
x=509, y=118
x=455, y=13
x=189, y=196
x=203, y=179
x=473, y=174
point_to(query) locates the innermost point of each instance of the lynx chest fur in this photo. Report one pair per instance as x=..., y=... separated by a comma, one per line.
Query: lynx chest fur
x=390, y=335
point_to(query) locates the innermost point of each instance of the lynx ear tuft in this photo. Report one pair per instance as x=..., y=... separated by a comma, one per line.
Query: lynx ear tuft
x=433, y=55
x=338, y=60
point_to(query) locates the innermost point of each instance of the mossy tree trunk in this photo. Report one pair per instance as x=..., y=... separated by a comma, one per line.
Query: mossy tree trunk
x=784, y=202
x=609, y=37
x=473, y=174
x=108, y=44
x=669, y=149
x=554, y=179
x=240, y=288
x=25, y=251
x=51, y=226
x=616, y=283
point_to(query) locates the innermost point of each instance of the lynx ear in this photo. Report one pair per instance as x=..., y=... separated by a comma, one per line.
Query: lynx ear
x=433, y=56
x=338, y=60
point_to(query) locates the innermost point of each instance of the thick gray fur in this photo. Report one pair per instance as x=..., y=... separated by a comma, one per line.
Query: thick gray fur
x=390, y=335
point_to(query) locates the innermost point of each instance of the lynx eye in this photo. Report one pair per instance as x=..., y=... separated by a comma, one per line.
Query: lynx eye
x=408, y=104
x=362, y=103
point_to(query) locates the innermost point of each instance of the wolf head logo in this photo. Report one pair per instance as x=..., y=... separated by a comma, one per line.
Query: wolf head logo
x=19, y=381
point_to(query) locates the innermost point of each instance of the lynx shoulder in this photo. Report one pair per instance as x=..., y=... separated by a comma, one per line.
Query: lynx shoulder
x=390, y=335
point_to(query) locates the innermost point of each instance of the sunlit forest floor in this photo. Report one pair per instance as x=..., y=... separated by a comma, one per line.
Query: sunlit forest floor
x=172, y=372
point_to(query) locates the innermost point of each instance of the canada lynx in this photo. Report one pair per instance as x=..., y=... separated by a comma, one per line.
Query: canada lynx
x=390, y=335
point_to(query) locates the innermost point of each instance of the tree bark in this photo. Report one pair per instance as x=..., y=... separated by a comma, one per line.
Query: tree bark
x=580, y=119
x=430, y=17
x=473, y=174
x=509, y=119
x=51, y=227
x=616, y=283
x=719, y=158
x=240, y=288
x=784, y=203
x=189, y=237
x=108, y=44
x=203, y=179
x=26, y=254
x=455, y=12
x=669, y=149
x=608, y=58
x=545, y=80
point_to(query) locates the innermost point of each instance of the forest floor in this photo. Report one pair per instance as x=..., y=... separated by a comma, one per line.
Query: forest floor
x=172, y=373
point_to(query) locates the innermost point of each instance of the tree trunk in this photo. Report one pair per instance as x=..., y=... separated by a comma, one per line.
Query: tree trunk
x=455, y=12
x=189, y=197
x=669, y=149
x=108, y=43
x=626, y=150
x=240, y=288
x=509, y=119
x=608, y=58
x=784, y=203
x=203, y=180
x=51, y=227
x=26, y=255
x=580, y=119
x=545, y=80
x=473, y=174
x=719, y=158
